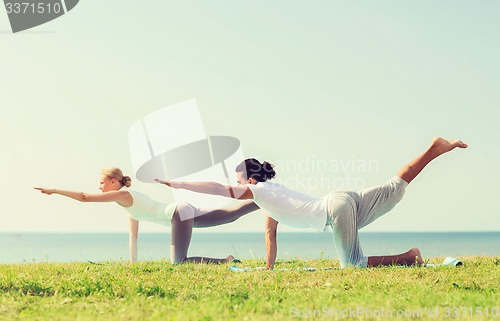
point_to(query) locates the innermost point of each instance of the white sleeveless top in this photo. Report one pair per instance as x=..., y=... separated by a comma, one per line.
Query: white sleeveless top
x=144, y=208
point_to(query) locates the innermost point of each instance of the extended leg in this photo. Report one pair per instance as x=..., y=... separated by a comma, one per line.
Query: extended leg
x=208, y=260
x=225, y=215
x=379, y=200
x=439, y=146
x=412, y=257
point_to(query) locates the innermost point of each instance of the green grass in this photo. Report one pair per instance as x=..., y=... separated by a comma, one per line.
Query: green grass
x=160, y=291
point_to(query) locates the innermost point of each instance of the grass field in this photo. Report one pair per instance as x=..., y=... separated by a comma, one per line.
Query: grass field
x=160, y=291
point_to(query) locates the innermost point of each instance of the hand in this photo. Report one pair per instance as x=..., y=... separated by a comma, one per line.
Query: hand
x=160, y=181
x=44, y=190
x=168, y=183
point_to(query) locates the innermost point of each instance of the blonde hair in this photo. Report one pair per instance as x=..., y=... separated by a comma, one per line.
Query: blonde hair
x=116, y=173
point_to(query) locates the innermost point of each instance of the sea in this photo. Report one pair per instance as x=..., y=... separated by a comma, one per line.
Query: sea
x=102, y=247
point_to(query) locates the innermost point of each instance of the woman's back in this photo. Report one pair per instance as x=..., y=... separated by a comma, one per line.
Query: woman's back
x=288, y=206
x=144, y=208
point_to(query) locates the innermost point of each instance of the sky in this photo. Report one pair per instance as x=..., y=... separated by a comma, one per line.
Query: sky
x=337, y=94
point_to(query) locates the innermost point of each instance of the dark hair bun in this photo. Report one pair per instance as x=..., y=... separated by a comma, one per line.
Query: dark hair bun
x=268, y=171
x=254, y=169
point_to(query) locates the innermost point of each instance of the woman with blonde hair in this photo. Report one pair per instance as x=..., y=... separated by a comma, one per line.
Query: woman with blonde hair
x=181, y=216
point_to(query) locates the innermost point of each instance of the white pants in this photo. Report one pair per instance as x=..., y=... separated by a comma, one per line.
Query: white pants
x=349, y=211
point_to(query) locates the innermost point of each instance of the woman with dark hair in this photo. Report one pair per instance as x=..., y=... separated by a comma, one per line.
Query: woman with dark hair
x=182, y=217
x=345, y=211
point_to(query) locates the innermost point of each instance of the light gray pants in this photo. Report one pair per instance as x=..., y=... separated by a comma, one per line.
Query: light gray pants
x=349, y=211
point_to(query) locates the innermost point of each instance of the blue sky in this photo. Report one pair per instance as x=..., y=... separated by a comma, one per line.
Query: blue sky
x=359, y=86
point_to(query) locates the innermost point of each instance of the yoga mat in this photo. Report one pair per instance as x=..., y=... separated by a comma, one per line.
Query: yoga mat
x=449, y=261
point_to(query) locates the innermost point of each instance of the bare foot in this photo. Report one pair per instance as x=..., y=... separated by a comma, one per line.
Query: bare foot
x=415, y=257
x=442, y=145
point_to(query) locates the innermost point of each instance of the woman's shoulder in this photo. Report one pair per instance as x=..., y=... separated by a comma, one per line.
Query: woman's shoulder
x=125, y=190
x=123, y=197
x=135, y=194
x=269, y=185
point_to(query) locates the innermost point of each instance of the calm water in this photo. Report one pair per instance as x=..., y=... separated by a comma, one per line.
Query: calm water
x=52, y=247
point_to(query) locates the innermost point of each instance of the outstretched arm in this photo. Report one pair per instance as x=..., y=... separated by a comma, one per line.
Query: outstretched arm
x=271, y=243
x=213, y=188
x=122, y=197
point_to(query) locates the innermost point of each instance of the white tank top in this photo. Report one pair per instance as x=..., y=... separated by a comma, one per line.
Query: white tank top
x=144, y=208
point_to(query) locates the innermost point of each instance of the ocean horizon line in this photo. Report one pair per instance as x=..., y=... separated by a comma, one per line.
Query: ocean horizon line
x=95, y=246
x=199, y=231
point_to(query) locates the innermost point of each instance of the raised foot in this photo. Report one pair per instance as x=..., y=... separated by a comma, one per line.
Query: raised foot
x=443, y=145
